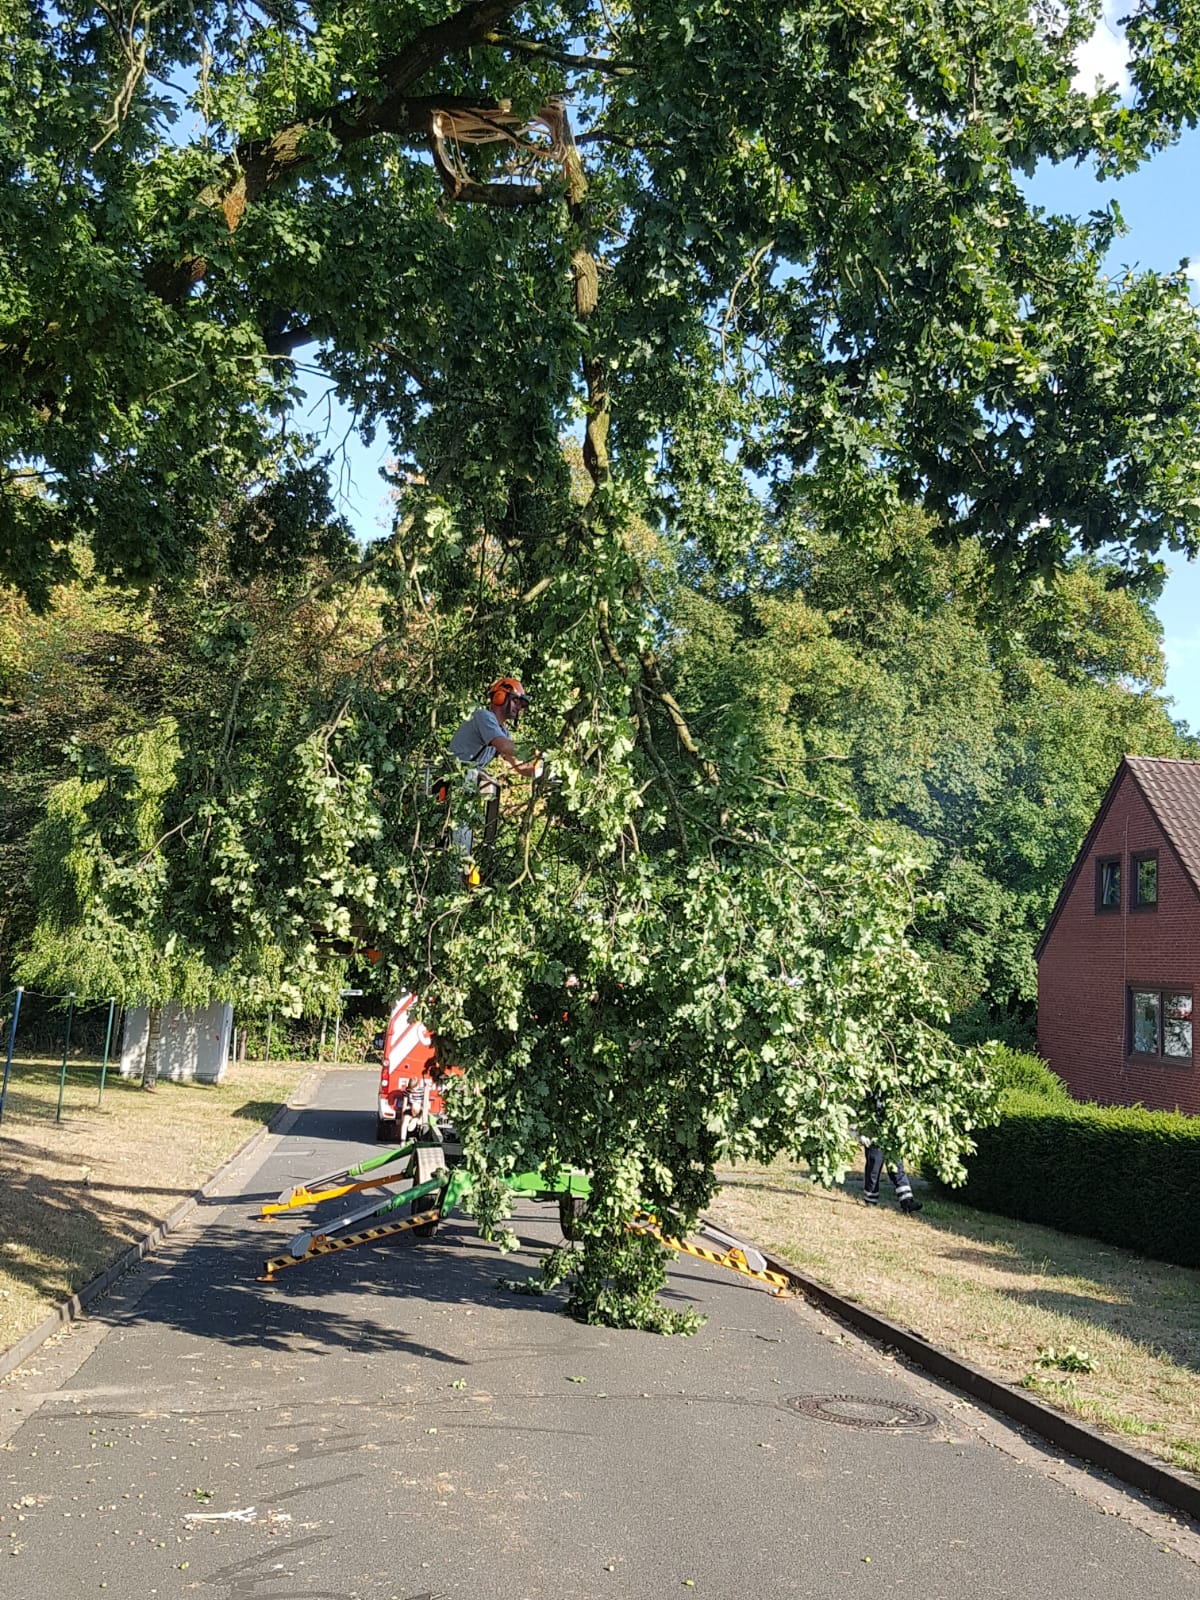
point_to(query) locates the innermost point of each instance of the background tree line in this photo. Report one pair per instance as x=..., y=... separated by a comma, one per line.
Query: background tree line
x=984, y=741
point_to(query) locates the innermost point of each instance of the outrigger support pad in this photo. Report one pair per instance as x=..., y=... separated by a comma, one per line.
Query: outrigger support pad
x=753, y=1259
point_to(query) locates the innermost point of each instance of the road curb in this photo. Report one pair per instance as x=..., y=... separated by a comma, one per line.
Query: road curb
x=69, y=1310
x=1074, y=1438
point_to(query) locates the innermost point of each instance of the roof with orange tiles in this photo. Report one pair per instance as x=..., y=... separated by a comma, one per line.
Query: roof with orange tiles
x=1171, y=789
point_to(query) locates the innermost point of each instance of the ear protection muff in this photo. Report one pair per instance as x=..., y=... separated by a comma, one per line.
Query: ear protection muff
x=505, y=689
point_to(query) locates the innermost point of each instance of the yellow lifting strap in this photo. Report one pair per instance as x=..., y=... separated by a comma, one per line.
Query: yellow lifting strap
x=328, y=1247
x=733, y=1260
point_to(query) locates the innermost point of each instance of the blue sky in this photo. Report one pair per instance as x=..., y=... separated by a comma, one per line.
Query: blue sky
x=1161, y=208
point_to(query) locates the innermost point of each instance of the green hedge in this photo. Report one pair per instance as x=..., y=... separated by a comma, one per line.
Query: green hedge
x=1118, y=1173
x=1016, y=1069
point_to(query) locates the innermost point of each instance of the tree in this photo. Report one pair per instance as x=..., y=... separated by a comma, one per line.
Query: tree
x=669, y=962
x=984, y=737
x=201, y=852
x=815, y=210
x=773, y=263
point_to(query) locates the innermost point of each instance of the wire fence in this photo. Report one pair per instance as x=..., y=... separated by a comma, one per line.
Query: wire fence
x=41, y=1034
x=59, y=1051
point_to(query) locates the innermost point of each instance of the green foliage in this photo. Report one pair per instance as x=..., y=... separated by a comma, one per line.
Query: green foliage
x=212, y=852
x=665, y=968
x=77, y=675
x=1069, y=1359
x=983, y=740
x=1023, y=1074
x=769, y=699
x=288, y=523
x=819, y=265
x=1122, y=1174
x=617, y=1285
x=100, y=883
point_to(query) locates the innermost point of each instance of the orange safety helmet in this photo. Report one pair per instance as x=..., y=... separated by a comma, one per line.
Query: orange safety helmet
x=506, y=689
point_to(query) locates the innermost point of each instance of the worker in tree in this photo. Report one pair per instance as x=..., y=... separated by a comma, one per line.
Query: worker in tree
x=482, y=737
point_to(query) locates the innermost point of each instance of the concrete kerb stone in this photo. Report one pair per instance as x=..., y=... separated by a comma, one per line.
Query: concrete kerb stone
x=1074, y=1438
x=70, y=1310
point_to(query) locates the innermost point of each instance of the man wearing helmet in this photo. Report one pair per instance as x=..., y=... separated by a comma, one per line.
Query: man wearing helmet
x=482, y=737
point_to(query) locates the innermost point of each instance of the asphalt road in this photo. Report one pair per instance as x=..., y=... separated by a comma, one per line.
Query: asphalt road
x=389, y=1424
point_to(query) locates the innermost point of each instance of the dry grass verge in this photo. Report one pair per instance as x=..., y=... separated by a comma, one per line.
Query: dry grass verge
x=75, y=1193
x=1092, y=1329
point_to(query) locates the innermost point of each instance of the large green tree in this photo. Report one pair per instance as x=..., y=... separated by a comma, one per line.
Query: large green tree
x=983, y=736
x=773, y=262
x=807, y=224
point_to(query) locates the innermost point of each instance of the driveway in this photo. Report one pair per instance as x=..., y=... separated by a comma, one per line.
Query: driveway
x=391, y=1424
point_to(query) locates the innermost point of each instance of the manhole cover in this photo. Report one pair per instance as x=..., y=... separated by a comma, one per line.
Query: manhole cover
x=857, y=1411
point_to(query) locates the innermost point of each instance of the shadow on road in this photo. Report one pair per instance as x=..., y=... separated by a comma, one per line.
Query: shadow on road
x=325, y=1305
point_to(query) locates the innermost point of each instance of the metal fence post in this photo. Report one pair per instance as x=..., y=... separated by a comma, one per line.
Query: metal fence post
x=62, y=1077
x=12, y=1039
x=270, y=1025
x=112, y=1006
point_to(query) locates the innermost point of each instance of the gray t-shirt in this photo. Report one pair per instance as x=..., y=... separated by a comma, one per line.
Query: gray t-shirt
x=472, y=743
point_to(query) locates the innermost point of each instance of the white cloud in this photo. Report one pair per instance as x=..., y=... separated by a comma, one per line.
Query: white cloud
x=1105, y=56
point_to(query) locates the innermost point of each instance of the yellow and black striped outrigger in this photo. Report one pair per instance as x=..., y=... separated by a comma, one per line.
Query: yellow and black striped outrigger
x=443, y=1189
x=736, y=1257
x=323, y=1246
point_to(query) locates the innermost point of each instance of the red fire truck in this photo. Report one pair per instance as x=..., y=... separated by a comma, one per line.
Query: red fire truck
x=409, y=1091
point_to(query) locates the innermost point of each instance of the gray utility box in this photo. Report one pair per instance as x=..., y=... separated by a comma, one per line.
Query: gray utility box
x=192, y=1044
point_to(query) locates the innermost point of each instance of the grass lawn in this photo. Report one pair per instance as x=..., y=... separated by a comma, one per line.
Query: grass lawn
x=1099, y=1332
x=75, y=1193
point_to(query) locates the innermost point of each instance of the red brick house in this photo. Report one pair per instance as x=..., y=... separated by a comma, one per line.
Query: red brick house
x=1119, y=962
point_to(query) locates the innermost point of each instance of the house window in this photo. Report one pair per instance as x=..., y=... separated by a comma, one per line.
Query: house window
x=1160, y=1023
x=1108, y=883
x=1143, y=870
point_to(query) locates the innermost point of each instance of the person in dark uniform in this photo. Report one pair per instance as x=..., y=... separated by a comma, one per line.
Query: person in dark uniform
x=873, y=1172
x=908, y=1202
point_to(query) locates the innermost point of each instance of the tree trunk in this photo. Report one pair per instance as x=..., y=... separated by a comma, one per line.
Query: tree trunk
x=153, y=1036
